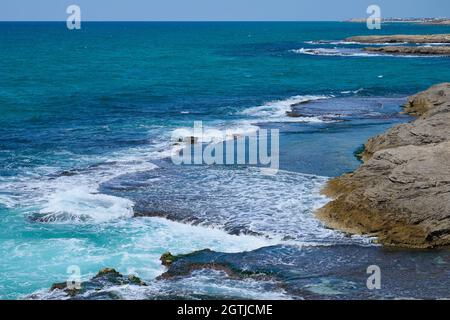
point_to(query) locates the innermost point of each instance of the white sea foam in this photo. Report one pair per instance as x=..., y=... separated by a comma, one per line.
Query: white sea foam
x=215, y=133
x=335, y=52
x=80, y=204
x=74, y=197
x=279, y=207
x=344, y=52
x=352, y=91
x=276, y=111
x=219, y=131
x=342, y=42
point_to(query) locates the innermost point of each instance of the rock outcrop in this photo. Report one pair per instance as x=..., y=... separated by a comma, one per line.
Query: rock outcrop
x=105, y=278
x=401, y=193
x=322, y=272
x=411, y=50
x=402, y=38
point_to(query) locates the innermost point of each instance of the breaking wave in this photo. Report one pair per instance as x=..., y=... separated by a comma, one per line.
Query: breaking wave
x=277, y=111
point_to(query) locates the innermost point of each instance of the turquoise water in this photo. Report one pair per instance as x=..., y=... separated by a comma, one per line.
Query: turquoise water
x=84, y=113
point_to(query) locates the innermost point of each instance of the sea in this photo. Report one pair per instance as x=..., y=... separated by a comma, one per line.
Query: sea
x=87, y=180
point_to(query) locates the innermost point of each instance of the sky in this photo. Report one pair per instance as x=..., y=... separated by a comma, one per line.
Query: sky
x=217, y=10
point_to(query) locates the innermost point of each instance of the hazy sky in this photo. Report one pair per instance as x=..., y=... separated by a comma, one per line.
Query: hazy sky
x=156, y=10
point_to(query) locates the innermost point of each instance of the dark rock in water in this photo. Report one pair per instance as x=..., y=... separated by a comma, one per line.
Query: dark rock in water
x=136, y=280
x=68, y=173
x=63, y=286
x=51, y=218
x=405, y=50
x=296, y=114
x=202, y=259
x=330, y=272
x=141, y=212
x=104, y=279
x=190, y=140
x=300, y=103
x=167, y=259
x=107, y=272
x=400, y=38
x=314, y=272
x=293, y=114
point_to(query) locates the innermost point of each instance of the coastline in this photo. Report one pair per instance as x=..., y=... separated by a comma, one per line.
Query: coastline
x=402, y=38
x=420, y=21
x=408, y=50
x=401, y=192
x=87, y=182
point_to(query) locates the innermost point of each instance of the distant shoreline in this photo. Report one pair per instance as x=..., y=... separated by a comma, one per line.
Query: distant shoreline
x=426, y=21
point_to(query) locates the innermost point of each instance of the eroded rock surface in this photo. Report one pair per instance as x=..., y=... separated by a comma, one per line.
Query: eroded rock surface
x=402, y=191
x=95, y=287
x=328, y=272
x=409, y=50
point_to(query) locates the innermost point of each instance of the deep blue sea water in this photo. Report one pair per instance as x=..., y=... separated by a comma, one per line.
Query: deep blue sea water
x=85, y=125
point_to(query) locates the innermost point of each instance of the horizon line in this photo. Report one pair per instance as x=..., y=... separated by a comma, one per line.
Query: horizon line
x=180, y=21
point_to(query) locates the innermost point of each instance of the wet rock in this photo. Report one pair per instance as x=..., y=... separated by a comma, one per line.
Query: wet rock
x=167, y=259
x=432, y=38
x=107, y=272
x=95, y=287
x=405, y=50
x=189, y=140
x=401, y=193
x=433, y=109
x=183, y=265
x=328, y=272
x=307, y=272
x=293, y=114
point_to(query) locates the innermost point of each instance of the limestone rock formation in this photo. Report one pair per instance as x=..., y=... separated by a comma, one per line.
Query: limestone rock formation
x=401, y=193
x=411, y=50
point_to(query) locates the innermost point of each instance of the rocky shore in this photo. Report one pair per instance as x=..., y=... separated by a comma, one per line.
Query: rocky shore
x=284, y=272
x=401, y=38
x=405, y=50
x=401, y=193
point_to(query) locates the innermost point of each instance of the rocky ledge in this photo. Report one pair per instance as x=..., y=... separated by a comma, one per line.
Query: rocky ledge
x=104, y=279
x=401, y=38
x=405, y=50
x=401, y=193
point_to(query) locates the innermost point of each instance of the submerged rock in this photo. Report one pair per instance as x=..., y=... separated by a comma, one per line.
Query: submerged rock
x=328, y=272
x=401, y=193
x=280, y=272
x=184, y=265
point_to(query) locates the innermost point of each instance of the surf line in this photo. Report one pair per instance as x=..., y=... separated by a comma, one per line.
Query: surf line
x=226, y=147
